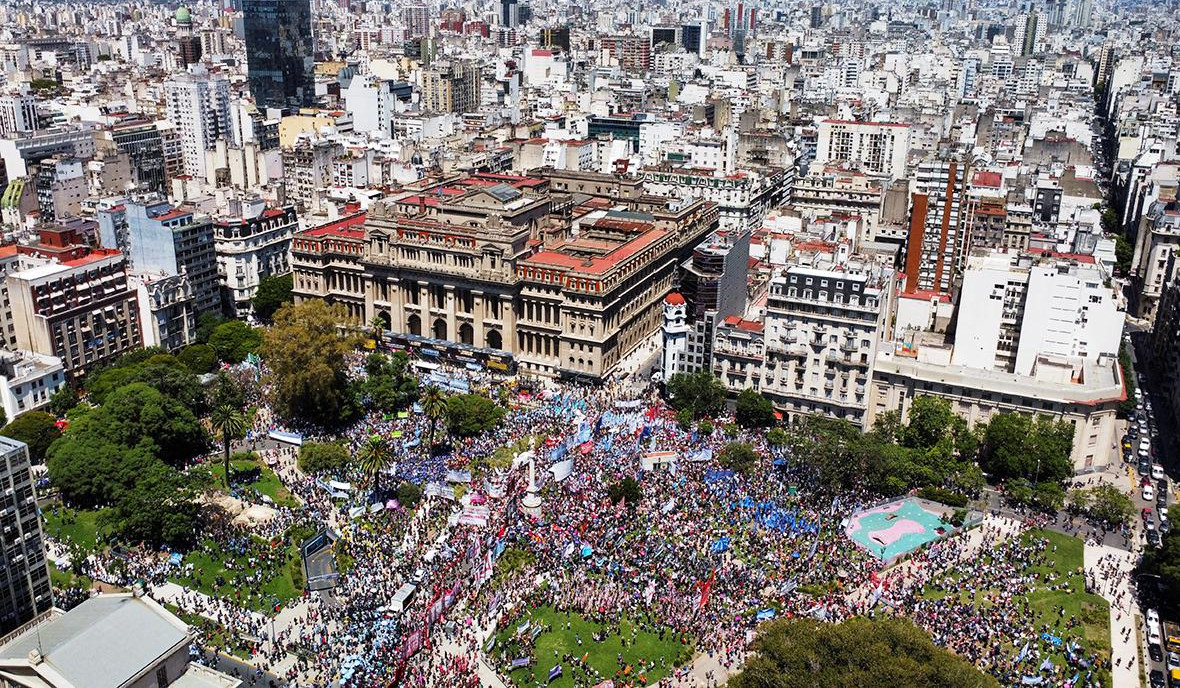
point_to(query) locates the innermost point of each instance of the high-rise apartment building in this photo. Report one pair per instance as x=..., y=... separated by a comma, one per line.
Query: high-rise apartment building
x=451, y=87
x=280, y=53
x=18, y=114
x=935, y=243
x=1016, y=308
x=417, y=20
x=25, y=592
x=162, y=240
x=198, y=104
x=509, y=14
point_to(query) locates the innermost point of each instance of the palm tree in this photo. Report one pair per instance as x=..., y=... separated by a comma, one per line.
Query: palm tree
x=374, y=457
x=231, y=423
x=434, y=405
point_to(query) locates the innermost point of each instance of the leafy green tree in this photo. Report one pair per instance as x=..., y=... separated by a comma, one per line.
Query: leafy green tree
x=1105, y=503
x=684, y=420
x=700, y=393
x=159, y=508
x=753, y=410
x=739, y=456
x=389, y=385
x=408, y=495
x=230, y=423
x=307, y=355
x=705, y=428
x=273, y=293
x=434, y=407
x=62, y=401
x=226, y=391
x=199, y=358
x=776, y=437
x=36, y=429
x=1124, y=252
x=206, y=323
x=162, y=371
x=139, y=415
x=885, y=652
x=374, y=456
x=628, y=488
x=320, y=457
x=471, y=414
x=234, y=340
x=1017, y=446
x=92, y=471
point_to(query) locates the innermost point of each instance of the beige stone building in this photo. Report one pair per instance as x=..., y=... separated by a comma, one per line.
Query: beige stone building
x=508, y=269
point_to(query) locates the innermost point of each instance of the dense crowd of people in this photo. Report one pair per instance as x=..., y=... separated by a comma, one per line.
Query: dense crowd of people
x=702, y=556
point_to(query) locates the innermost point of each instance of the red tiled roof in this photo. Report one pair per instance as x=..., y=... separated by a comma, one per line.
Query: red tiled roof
x=344, y=227
x=600, y=264
x=94, y=256
x=747, y=325
x=989, y=179
x=926, y=295
x=674, y=299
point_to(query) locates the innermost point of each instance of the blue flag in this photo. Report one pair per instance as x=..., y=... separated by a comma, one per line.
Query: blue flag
x=554, y=673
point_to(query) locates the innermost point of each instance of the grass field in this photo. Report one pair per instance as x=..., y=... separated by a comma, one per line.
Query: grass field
x=74, y=525
x=646, y=649
x=1092, y=610
x=267, y=483
x=284, y=582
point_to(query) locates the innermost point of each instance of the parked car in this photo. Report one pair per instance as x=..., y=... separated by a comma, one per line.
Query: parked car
x=1157, y=472
x=1148, y=493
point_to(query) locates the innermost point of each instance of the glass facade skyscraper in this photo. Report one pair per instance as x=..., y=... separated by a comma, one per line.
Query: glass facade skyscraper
x=280, y=52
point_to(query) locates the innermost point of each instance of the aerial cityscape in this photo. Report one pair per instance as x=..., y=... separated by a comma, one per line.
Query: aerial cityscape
x=519, y=343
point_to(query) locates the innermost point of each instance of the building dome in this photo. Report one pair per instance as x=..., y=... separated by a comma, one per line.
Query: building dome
x=183, y=15
x=674, y=299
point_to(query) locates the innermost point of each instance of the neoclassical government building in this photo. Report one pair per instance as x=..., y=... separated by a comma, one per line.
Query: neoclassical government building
x=558, y=273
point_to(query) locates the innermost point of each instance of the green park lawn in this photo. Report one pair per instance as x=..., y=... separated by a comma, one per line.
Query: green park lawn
x=648, y=648
x=71, y=525
x=267, y=483
x=286, y=583
x=1092, y=610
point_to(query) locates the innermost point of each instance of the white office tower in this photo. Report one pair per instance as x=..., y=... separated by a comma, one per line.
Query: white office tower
x=1017, y=309
x=198, y=102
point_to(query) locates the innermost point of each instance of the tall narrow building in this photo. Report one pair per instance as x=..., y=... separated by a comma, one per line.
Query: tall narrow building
x=24, y=585
x=198, y=104
x=280, y=53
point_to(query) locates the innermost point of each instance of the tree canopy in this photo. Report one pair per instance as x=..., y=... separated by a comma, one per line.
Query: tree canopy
x=199, y=358
x=1016, y=445
x=699, y=393
x=1164, y=562
x=306, y=353
x=233, y=340
x=319, y=457
x=471, y=414
x=273, y=293
x=934, y=448
x=1104, y=502
x=628, y=489
x=753, y=410
x=389, y=386
x=739, y=456
x=36, y=429
x=161, y=370
x=886, y=652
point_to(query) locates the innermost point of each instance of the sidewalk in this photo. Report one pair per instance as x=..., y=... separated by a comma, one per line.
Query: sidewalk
x=1124, y=611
